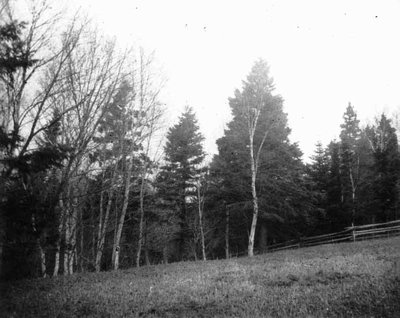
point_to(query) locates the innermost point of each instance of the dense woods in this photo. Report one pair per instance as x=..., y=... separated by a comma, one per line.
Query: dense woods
x=81, y=189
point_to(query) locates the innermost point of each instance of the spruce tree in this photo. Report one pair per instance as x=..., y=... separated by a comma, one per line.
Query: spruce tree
x=334, y=193
x=386, y=165
x=177, y=179
x=318, y=171
x=272, y=176
x=350, y=161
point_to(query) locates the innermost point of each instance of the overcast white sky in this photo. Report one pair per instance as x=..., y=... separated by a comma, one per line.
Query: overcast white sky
x=323, y=54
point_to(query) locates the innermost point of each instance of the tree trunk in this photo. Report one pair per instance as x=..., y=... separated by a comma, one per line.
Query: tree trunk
x=255, y=199
x=115, y=256
x=146, y=252
x=165, y=254
x=2, y=239
x=81, y=243
x=99, y=250
x=194, y=252
x=57, y=254
x=263, y=237
x=61, y=226
x=1, y=257
x=70, y=238
x=227, y=252
x=353, y=196
x=67, y=234
x=102, y=228
x=94, y=240
x=203, y=246
x=42, y=257
x=141, y=222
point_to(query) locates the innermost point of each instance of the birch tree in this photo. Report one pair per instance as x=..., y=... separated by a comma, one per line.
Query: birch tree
x=27, y=50
x=255, y=154
x=156, y=113
x=90, y=79
x=350, y=159
x=255, y=99
x=201, y=190
x=142, y=113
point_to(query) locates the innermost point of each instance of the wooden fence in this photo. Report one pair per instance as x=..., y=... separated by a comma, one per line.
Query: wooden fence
x=352, y=233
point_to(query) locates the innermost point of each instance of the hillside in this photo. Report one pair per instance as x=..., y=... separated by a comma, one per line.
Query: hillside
x=359, y=279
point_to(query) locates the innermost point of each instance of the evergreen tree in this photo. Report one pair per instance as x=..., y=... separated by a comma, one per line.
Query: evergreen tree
x=334, y=193
x=178, y=178
x=383, y=141
x=318, y=171
x=279, y=185
x=365, y=209
x=350, y=161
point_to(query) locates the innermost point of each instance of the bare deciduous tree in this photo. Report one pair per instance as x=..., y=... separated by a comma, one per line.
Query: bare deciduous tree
x=145, y=111
x=90, y=78
x=34, y=46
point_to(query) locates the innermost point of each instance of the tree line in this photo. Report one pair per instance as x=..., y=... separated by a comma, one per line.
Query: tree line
x=81, y=189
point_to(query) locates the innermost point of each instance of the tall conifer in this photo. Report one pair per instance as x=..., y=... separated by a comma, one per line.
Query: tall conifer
x=178, y=177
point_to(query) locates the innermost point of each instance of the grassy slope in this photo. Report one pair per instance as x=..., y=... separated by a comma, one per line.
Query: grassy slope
x=345, y=280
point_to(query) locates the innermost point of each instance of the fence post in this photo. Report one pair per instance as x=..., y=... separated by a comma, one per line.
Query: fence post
x=353, y=232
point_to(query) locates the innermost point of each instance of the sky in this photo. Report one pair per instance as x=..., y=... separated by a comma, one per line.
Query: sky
x=322, y=55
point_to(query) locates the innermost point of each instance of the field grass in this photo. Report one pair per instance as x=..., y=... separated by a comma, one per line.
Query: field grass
x=359, y=279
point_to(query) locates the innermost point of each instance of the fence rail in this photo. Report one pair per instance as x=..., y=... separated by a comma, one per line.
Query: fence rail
x=352, y=233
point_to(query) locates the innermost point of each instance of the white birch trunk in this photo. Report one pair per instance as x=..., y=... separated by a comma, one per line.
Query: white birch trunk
x=67, y=234
x=66, y=254
x=253, y=193
x=141, y=222
x=121, y=220
x=70, y=238
x=104, y=223
x=72, y=241
x=61, y=226
x=254, y=161
x=99, y=231
x=56, y=260
x=255, y=202
x=42, y=256
x=203, y=246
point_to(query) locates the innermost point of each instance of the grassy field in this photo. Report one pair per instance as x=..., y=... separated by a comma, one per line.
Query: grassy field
x=359, y=279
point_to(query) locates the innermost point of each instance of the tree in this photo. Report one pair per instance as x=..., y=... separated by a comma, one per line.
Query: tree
x=113, y=138
x=144, y=111
x=319, y=174
x=177, y=179
x=350, y=159
x=24, y=103
x=201, y=189
x=90, y=78
x=61, y=85
x=383, y=141
x=334, y=193
x=256, y=97
x=255, y=156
